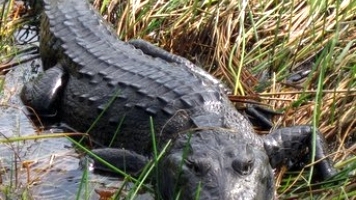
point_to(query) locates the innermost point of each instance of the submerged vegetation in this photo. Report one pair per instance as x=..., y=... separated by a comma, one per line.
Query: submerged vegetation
x=297, y=56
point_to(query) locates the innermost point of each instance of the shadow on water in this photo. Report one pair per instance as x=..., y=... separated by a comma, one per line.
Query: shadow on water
x=54, y=171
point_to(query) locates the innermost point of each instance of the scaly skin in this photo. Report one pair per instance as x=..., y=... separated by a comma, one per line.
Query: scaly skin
x=95, y=74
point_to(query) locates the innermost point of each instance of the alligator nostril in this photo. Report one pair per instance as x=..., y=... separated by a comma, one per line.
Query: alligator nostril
x=243, y=166
x=244, y=159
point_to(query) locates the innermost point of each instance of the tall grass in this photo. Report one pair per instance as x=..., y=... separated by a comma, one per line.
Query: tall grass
x=10, y=21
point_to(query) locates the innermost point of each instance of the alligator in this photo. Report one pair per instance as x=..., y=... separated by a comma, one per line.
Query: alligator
x=123, y=93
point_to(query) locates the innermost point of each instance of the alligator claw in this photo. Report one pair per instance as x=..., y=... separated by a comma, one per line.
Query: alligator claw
x=285, y=145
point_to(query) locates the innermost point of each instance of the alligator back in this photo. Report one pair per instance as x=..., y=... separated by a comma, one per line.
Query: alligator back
x=124, y=87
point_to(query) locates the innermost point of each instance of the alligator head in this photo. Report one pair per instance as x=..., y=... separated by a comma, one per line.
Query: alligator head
x=215, y=164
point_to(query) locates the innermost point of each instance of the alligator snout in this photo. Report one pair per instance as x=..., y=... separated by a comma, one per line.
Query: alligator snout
x=244, y=159
x=243, y=167
x=215, y=165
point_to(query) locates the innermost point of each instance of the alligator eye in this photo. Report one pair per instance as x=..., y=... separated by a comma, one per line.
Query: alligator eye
x=199, y=166
x=243, y=167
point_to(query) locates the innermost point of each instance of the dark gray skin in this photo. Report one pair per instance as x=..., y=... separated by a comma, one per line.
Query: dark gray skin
x=91, y=75
x=227, y=166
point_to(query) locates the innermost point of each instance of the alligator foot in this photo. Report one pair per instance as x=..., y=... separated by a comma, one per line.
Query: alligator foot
x=285, y=145
x=125, y=160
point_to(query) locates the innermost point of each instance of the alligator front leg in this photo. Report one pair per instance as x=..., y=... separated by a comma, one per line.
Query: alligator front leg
x=43, y=92
x=128, y=161
x=285, y=145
